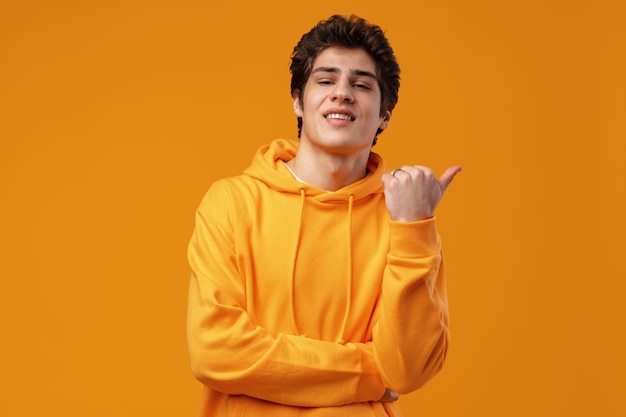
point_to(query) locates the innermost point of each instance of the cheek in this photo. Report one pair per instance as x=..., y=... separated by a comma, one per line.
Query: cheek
x=310, y=105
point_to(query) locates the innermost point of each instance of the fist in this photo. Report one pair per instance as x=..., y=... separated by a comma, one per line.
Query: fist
x=413, y=192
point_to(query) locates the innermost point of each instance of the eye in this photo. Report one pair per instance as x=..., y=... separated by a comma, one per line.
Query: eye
x=362, y=83
x=325, y=82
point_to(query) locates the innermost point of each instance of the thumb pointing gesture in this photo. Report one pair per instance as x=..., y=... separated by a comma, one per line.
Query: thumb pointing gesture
x=413, y=192
x=447, y=177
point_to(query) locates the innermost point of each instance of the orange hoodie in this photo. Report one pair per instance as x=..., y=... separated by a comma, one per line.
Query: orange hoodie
x=304, y=302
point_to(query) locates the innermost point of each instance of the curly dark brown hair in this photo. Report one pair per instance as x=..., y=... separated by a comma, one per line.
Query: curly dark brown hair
x=351, y=32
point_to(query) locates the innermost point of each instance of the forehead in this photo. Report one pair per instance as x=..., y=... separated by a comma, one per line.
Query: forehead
x=345, y=60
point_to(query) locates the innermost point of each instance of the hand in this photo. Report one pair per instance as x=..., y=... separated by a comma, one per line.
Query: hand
x=413, y=192
x=389, y=395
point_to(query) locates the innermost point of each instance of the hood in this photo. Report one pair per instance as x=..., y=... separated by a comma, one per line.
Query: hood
x=267, y=166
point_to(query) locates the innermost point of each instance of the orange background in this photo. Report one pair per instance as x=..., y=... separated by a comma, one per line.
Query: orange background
x=116, y=116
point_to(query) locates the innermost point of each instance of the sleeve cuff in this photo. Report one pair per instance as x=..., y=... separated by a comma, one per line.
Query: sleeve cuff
x=371, y=386
x=414, y=239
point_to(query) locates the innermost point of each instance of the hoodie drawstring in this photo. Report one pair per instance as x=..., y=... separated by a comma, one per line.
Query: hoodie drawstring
x=342, y=334
x=293, y=268
x=349, y=280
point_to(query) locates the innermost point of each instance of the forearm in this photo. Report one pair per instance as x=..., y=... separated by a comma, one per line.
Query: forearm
x=231, y=355
x=411, y=336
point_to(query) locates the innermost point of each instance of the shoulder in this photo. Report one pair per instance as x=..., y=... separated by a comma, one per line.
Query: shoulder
x=230, y=194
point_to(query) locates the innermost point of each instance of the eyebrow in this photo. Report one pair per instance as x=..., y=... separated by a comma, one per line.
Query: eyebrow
x=336, y=70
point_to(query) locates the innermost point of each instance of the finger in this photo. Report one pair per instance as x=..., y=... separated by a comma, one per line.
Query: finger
x=447, y=177
x=387, y=178
x=389, y=395
x=421, y=170
x=392, y=395
x=404, y=170
x=392, y=176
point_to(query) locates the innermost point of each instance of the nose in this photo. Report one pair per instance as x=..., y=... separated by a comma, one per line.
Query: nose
x=343, y=92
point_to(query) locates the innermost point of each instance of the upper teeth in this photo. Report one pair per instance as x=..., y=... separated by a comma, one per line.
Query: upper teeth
x=338, y=116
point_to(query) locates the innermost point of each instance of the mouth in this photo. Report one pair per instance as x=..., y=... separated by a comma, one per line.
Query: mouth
x=339, y=116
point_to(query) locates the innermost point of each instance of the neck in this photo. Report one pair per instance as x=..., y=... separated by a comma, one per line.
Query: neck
x=329, y=171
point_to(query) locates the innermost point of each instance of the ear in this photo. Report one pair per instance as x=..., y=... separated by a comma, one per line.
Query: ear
x=297, y=104
x=384, y=122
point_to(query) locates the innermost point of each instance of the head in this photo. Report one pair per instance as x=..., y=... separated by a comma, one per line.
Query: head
x=347, y=32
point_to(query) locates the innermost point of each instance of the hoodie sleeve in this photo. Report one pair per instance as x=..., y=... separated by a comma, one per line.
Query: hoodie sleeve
x=411, y=336
x=232, y=355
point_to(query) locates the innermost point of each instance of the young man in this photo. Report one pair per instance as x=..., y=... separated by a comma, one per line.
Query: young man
x=317, y=284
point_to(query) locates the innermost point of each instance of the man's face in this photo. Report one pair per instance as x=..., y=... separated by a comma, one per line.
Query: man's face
x=340, y=108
